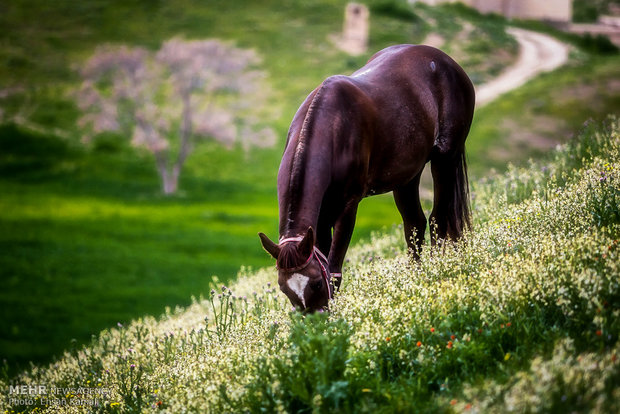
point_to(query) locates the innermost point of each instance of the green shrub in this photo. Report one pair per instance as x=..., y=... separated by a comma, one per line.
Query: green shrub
x=30, y=153
x=584, y=11
x=306, y=372
x=596, y=44
x=395, y=9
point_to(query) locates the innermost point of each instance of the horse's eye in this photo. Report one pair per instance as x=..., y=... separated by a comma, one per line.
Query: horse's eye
x=317, y=285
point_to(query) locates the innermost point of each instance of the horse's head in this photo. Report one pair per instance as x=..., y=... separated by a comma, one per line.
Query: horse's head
x=303, y=273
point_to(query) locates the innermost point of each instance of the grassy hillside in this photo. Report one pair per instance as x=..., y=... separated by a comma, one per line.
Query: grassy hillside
x=87, y=240
x=520, y=316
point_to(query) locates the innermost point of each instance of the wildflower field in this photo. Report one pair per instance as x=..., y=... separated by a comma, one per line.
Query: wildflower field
x=87, y=238
x=522, y=315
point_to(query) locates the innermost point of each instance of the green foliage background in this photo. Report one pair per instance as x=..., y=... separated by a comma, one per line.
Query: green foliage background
x=86, y=238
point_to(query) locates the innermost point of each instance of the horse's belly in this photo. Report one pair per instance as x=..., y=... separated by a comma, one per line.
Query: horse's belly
x=397, y=163
x=390, y=177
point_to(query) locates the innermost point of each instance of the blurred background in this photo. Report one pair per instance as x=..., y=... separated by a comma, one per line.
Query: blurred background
x=140, y=140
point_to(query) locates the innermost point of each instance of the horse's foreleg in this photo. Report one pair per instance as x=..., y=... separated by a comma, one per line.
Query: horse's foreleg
x=407, y=200
x=324, y=232
x=343, y=230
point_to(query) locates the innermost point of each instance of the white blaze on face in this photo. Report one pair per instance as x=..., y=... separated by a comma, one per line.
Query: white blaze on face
x=297, y=283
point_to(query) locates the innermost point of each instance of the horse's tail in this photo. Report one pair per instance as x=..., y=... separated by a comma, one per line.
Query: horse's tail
x=462, y=209
x=451, y=210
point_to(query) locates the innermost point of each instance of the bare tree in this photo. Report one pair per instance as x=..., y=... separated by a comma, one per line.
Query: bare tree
x=167, y=101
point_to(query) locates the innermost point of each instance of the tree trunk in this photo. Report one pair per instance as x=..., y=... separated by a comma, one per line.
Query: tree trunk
x=169, y=178
x=170, y=181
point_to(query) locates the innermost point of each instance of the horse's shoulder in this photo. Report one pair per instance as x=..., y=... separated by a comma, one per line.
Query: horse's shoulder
x=338, y=86
x=336, y=81
x=390, y=50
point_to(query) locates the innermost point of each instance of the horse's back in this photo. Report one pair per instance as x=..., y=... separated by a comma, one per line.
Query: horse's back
x=386, y=118
x=419, y=72
x=426, y=86
x=412, y=61
x=423, y=100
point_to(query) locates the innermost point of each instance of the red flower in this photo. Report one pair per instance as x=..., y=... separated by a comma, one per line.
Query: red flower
x=449, y=346
x=453, y=402
x=432, y=330
x=419, y=344
x=452, y=337
x=387, y=339
x=599, y=332
x=508, y=324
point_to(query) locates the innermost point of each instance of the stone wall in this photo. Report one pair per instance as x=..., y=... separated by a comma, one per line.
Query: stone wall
x=553, y=10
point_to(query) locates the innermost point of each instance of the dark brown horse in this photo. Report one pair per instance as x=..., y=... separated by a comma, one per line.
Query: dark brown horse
x=364, y=134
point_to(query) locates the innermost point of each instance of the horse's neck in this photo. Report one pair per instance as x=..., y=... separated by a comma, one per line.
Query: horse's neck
x=306, y=171
x=302, y=205
x=309, y=176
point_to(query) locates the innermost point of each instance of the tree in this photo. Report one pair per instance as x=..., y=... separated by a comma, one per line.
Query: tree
x=168, y=100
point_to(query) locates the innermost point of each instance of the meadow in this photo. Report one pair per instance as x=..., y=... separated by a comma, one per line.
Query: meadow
x=87, y=239
x=519, y=316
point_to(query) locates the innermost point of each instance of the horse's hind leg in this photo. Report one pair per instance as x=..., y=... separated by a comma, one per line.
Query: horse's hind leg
x=451, y=195
x=408, y=202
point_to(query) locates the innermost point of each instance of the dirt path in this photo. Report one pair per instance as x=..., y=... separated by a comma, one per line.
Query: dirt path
x=539, y=53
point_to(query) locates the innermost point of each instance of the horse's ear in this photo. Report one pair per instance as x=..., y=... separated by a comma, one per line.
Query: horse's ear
x=271, y=248
x=307, y=243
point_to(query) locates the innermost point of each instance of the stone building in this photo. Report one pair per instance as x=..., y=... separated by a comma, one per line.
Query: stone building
x=560, y=11
x=354, y=39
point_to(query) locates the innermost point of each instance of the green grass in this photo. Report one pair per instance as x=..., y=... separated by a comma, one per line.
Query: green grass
x=87, y=239
x=546, y=111
x=82, y=250
x=586, y=11
x=519, y=316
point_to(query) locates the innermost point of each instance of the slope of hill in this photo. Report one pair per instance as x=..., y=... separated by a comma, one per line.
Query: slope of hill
x=522, y=315
x=87, y=239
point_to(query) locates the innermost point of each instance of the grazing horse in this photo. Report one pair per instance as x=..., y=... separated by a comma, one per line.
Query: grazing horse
x=364, y=134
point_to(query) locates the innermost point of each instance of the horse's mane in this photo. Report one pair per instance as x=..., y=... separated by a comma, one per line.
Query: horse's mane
x=307, y=126
x=289, y=257
x=298, y=163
